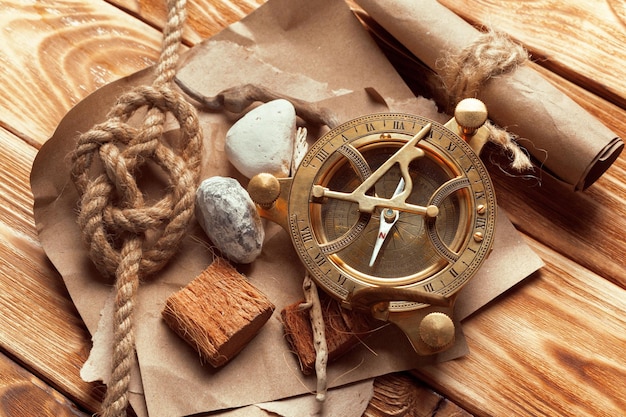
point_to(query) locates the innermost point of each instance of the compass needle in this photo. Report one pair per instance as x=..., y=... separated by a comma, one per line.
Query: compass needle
x=387, y=219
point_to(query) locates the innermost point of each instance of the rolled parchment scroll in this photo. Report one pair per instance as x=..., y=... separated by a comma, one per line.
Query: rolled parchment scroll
x=573, y=146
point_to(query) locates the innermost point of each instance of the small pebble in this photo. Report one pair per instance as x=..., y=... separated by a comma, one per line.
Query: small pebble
x=263, y=140
x=229, y=217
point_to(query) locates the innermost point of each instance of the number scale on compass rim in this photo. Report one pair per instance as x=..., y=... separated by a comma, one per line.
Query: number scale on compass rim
x=334, y=227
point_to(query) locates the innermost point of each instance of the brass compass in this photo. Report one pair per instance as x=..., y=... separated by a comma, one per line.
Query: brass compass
x=392, y=213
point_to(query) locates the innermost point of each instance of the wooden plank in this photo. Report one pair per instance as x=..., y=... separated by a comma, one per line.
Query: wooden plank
x=551, y=346
x=204, y=17
x=586, y=227
x=38, y=317
x=581, y=40
x=24, y=395
x=56, y=52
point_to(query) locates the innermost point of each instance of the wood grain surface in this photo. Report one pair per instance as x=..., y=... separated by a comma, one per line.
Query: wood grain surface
x=54, y=53
x=204, y=17
x=23, y=394
x=551, y=346
x=39, y=325
x=539, y=351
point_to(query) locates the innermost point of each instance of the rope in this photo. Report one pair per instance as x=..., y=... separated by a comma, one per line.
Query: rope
x=463, y=75
x=127, y=238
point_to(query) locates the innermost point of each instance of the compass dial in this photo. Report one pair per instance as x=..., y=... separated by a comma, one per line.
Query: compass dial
x=391, y=200
x=399, y=259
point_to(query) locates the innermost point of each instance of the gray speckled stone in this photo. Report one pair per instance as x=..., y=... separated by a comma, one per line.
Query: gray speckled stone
x=228, y=216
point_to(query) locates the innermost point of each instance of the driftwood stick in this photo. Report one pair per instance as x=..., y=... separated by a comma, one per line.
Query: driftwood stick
x=344, y=329
x=237, y=99
x=312, y=303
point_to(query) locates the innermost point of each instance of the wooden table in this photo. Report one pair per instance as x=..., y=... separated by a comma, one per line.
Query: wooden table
x=553, y=345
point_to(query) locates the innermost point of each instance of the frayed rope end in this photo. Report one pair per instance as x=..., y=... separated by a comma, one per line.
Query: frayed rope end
x=520, y=161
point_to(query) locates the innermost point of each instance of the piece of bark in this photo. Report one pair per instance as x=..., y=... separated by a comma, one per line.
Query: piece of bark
x=343, y=329
x=218, y=312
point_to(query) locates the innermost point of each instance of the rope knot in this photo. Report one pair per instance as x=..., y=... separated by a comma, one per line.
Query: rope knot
x=107, y=163
x=491, y=54
x=464, y=74
x=131, y=234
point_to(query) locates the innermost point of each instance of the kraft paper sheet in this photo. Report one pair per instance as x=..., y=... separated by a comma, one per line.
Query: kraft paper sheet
x=315, y=51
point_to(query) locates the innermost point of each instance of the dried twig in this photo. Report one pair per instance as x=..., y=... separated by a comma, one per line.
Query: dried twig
x=237, y=99
x=312, y=303
x=300, y=148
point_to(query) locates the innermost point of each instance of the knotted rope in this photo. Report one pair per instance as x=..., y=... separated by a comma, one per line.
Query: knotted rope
x=464, y=74
x=127, y=238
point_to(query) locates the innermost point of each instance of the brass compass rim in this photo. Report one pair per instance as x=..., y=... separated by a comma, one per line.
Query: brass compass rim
x=338, y=289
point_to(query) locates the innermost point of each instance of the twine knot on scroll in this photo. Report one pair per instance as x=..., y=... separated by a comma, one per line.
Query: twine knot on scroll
x=130, y=236
x=464, y=74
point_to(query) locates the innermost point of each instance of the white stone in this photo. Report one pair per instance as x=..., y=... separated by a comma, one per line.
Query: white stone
x=229, y=217
x=263, y=140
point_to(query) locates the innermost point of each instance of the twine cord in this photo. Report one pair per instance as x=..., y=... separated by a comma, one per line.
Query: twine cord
x=127, y=239
x=464, y=74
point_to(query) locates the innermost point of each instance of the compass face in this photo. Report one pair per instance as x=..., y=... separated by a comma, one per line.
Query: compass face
x=392, y=200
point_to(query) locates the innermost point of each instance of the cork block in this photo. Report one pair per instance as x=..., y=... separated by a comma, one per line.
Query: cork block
x=218, y=312
x=343, y=328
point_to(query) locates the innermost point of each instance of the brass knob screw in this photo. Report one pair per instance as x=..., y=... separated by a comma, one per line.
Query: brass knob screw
x=470, y=114
x=264, y=189
x=437, y=330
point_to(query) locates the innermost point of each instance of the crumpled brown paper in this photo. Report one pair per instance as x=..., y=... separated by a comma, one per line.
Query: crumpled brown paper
x=315, y=51
x=570, y=143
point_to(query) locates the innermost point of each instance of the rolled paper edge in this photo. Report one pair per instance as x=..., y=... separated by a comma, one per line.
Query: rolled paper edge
x=570, y=143
x=601, y=163
x=602, y=148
